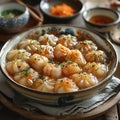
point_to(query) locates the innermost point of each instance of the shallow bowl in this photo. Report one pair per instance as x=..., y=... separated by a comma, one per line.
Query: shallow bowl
x=102, y=26
x=46, y=5
x=58, y=99
x=9, y=23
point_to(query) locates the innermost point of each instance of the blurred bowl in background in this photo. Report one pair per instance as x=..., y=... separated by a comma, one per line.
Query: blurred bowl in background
x=13, y=17
x=62, y=8
x=101, y=19
x=32, y=2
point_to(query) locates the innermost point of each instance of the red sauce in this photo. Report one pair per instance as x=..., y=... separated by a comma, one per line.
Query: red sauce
x=101, y=20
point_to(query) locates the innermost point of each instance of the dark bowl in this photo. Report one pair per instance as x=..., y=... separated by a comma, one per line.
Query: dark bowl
x=45, y=6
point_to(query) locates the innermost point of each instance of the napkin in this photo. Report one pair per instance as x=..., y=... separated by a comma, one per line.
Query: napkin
x=81, y=107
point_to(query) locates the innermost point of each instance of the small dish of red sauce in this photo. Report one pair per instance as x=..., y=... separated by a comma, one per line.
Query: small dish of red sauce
x=101, y=20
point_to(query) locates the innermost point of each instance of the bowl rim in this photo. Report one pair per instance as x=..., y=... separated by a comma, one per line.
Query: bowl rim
x=102, y=9
x=66, y=93
x=14, y=3
x=61, y=17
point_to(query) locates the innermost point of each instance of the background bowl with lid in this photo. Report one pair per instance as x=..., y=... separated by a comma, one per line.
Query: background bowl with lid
x=13, y=17
x=101, y=19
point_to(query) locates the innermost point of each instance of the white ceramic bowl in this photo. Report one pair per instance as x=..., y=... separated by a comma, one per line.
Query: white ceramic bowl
x=13, y=24
x=102, y=12
x=60, y=98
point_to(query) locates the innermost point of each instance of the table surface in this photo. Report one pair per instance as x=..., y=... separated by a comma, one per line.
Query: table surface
x=111, y=114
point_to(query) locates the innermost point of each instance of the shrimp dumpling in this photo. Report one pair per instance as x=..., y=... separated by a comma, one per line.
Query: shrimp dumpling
x=47, y=51
x=96, y=56
x=16, y=66
x=84, y=80
x=68, y=41
x=52, y=70
x=44, y=85
x=18, y=54
x=97, y=69
x=38, y=62
x=48, y=39
x=26, y=77
x=86, y=46
x=60, y=52
x=69, y=68
x=29, y=45
x=76, y=56
x=64, y=85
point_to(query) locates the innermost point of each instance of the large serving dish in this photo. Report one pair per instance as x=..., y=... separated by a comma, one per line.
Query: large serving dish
x=60, y=98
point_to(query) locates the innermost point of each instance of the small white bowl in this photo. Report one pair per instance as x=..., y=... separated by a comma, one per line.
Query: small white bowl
x=88, y=14
x=13, y=24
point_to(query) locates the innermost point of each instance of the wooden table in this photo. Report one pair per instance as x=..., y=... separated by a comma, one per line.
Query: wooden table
x=111, y=114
